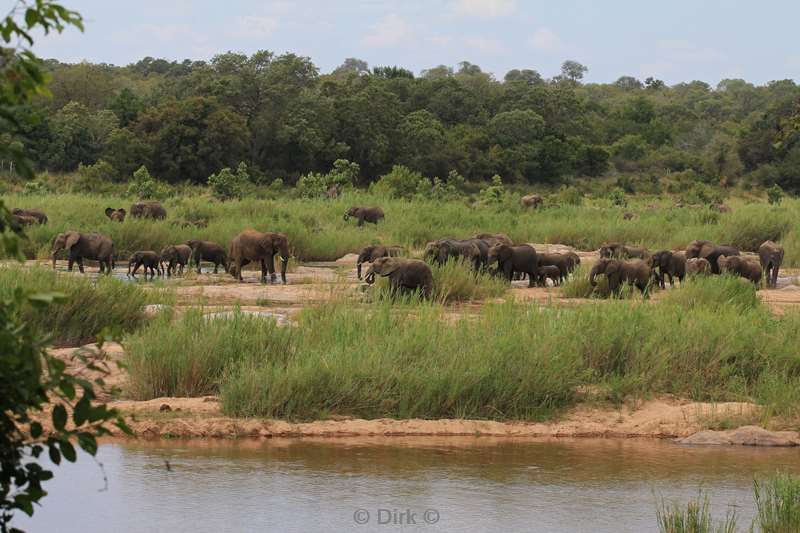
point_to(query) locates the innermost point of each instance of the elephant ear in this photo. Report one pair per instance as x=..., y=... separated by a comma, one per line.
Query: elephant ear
x=612, y=267
x=122, y=211
x=72, y=239
x=389, y=266
x=109, y=211
x=504, y=253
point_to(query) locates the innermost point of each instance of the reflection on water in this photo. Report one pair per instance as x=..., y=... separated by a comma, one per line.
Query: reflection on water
x=473, y=484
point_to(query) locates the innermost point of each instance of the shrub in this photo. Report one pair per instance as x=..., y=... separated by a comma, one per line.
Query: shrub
x=494, y=193
x=142, y=185
x=775, y=194
x=34, y=188
x=456, y=281
x=617, y=198
x=401, y=182
x=750, y=225
x=315, y=185
x=225, y=185
x=567, y=195
x=695, y=518
x=778, y=503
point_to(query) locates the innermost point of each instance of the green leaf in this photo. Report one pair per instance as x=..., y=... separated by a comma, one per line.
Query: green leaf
x=82, y=410
x=36, y=430
x=87, y=442
x=23, y=502
x=59, y=417
x=68, y=451
x=55, y=455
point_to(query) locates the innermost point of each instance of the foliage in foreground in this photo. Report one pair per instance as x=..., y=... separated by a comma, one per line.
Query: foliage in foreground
x=510, y=361
x=695, y=518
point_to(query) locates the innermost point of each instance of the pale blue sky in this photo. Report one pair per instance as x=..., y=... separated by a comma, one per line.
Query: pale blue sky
x=675, y=40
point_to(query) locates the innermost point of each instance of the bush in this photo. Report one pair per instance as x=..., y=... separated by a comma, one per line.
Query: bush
x=750, y=225
x=34, y=188
x=343, y=175
x=775, y=194
x=617, y=198
x=225, y=185
x=456, y=281
x=778, y=504
x=695, y=518
x=142, y=185
x=401, y=182
x=494, y=193
x=701, y=193
x=567, y=195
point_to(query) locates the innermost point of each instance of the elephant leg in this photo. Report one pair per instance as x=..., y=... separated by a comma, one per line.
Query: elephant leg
x=271, y=268
x=360, y=222
x=198, y=259
x=531, y=279
x=80, y=265
x=135, y=269
x=508, y=270
x=264, y=270
x=358, y=270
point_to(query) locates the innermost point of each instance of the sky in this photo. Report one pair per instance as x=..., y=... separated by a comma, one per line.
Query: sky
x=673, y=40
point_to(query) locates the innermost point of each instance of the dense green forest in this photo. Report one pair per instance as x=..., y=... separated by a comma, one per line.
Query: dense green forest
x=187, y=120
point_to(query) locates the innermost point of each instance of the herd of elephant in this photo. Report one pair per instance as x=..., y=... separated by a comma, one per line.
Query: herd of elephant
x=620, y=264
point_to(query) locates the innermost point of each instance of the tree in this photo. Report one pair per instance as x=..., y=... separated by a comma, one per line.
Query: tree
x=573, y=71
x=628, y=83
x=653, y=84
x=531, y=77
x=127, y=106
x=436, y=73
x=351, y=65
x=422, y=138
x=516, y=127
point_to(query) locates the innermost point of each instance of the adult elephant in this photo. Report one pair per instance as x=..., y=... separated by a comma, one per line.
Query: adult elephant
x=573, y=261
x=20, y=221
x=176, y=255
x=494, y=238
x=611, y=250
x=147, y=258
x=710, y=252
x=635, y=272
x=150, y=209
x=511, y=259
x=255, y=246
x=770, y=255
x=750, y=270
x=40, y=217
x=117, y=215
x=560, y=261
x=443, y=250
x=404, y=274
x=208, y=251
x=365, y=214
x=370, y=253
x=667, y=263
x=80, y=246
x=534, y=201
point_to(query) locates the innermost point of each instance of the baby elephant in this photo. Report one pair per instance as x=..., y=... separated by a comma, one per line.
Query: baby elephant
x=551, y=272
x=740, y=266
x=150, y=260
x=176, y=257
x=697, y=265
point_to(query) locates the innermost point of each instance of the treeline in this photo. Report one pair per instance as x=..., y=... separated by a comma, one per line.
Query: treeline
x=186, y=121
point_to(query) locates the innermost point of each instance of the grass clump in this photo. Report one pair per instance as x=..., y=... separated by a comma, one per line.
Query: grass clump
x=694, y=518
x=778, y=504
x=456, y=281
x=188, y=358
x=89, y=307
x=715, y=292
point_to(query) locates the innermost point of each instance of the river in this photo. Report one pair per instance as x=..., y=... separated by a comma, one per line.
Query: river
x=439, y=484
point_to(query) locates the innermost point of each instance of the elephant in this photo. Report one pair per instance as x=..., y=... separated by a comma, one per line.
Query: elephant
x=635, y=272
x=150, y=209
x=82, y=246
x=532, y=200
x=251, y=245
x=668, y=263
x=117, y=215
x=370, y=253
x=709, y=251
x=628, y=216
x=404, y=274
x=511, y=259
x=611, y=250
x=208, y=251
x=149, y=259
x=176, y=254
x=19, y=221
x=365, y=214
x=740, y=266
x=560, y=261
x=573, y=261
x=40, y=217
x=770, y=256
x=471, y=250
x=551, y=272
x=697, y=265
x=493, y=238
x=179, y=223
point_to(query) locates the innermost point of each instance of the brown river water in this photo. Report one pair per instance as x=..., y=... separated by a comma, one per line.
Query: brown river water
x=382, y=484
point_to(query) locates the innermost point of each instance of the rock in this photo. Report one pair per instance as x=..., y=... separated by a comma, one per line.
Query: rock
x=743, y=436
x=165, y=407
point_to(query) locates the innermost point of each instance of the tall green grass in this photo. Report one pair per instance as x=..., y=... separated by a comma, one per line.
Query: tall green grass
x=317, y=231
x=89, y=307
x=694, y=518
x=509, y=361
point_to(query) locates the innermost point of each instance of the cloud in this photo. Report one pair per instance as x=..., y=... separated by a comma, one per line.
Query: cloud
x=545, y=40
x=485, y=45
x=389, y=31
x=255, y=27
x=484, y=8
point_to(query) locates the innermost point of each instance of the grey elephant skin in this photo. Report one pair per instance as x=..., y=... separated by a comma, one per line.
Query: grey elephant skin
x=735, y=264
x=80, y=246
x=474, y=251
x=635, y=272
x=151, y=209
x=40, y=217
x=710, y=252
x=117, y=215
x=255, y=246
x=150, y=260
x=370, y=253
x=770, y=255
x=177, y=255
x=405, y=275
x=208, y=251
x=365, y=214
x=666, y=263
x=513, y=259
x=532, y=200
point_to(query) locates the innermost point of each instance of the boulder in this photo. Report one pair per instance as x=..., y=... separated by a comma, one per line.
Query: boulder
x=743, y=436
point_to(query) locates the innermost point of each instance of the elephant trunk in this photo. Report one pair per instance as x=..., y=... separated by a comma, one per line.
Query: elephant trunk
x=370, y=278
x=592, y=275
x=55, y=254
x=346, y=216
x=284, y=262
